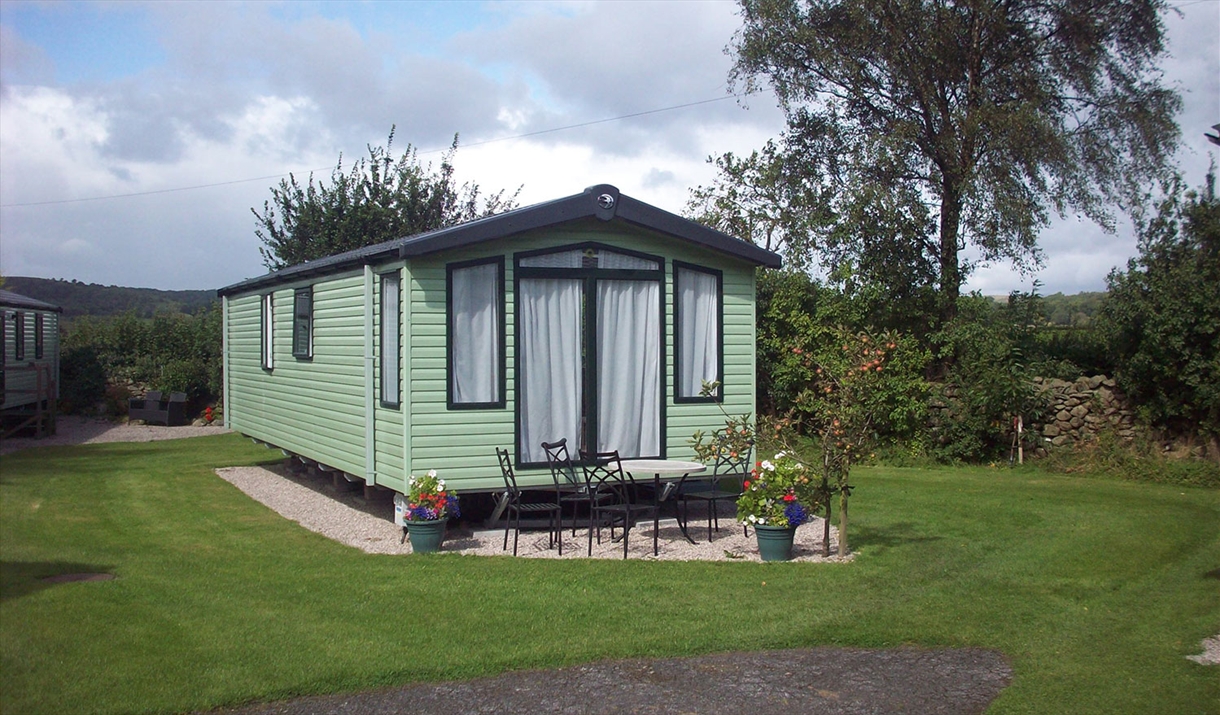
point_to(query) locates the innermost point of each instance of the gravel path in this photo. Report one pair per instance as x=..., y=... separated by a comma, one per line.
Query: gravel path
x=71, y=429
x=811, y=681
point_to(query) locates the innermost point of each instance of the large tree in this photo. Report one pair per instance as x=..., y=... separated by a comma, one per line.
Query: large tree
x=919, y=128
x=379, y=199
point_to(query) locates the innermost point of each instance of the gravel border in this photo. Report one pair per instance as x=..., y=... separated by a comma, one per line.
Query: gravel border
x=308, y=499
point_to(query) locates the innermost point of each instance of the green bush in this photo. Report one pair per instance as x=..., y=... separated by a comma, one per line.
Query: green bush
x=170, y=352
x=82, y=378
x=987, y=382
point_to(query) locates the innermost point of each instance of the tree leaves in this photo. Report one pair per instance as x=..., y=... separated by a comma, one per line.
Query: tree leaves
x=380, y=199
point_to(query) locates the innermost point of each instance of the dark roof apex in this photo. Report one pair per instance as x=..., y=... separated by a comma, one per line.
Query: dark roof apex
x=601, y=201
x=9, y=299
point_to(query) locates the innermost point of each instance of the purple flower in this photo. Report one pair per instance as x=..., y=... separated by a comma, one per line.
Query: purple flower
x=797, y=514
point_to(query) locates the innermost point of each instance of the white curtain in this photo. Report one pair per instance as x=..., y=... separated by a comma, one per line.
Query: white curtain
x=549, y=378
x=268, y=329
x=610, y=259
x=476, y=334
x=698, y=333
x=629, y=368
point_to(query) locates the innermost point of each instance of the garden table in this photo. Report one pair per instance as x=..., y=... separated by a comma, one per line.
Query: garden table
x=657, y=467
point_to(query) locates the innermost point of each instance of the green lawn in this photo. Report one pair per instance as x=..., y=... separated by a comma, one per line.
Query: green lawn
x=1095, y=589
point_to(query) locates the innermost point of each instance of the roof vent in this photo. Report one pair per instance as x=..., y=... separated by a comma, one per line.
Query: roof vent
x=606, y=201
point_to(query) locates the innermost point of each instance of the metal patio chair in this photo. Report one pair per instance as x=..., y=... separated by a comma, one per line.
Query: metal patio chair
x=621, y=503
x=725, y=483
x=515, y=506
x=573, y=483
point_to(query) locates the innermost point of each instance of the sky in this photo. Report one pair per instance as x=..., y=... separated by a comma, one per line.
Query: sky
x=135, y=138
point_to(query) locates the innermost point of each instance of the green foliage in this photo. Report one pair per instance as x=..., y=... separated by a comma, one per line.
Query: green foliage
x=989, y=382
x=82, y=378
x=1075, y=310
x=802, y=327
x=782, y=491
x=171, y=352
x=380, y=199
x=1141, y=460
x=1162, y=316
x=919, y=130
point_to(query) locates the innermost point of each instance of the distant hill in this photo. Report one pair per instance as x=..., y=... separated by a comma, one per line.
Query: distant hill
x=1073, y=310
x=78, y=298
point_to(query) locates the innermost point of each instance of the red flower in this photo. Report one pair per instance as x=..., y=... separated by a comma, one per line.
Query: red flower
x=789, y=497
x=746, y=484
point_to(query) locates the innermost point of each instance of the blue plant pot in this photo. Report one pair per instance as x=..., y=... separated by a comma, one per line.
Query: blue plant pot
x=775, y=542
x=426, y=536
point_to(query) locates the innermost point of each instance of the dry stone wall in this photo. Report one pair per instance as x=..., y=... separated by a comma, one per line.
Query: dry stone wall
x=1078, y=411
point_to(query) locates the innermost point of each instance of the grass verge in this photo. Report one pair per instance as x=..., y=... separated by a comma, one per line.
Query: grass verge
x=1095, y=590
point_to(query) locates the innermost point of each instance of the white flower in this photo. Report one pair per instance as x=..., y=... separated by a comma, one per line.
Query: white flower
x=432, y=473
x=753, y=519
x=766, y=465
x=780, y=454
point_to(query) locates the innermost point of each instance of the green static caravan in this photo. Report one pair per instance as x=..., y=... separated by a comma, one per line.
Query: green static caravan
x=594, y=318
x=29, y=362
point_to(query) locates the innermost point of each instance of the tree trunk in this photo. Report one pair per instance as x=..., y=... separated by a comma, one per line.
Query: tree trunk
x=950, y=269
x=826, y=531
x=843, y=521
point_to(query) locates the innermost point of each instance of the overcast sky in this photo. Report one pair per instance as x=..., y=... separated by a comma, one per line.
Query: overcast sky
x=140, y=102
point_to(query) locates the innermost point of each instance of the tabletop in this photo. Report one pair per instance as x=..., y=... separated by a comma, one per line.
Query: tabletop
x=662, y=466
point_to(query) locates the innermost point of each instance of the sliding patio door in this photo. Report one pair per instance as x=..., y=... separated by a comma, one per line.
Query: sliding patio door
x=589, y=352
x=629, y=367
x=550, y=365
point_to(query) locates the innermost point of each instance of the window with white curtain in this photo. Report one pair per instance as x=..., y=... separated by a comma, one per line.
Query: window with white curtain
x=590, y=355
x=266, y=328
x=390, y=348
x=302, y=323
x=698, y=328
x=476, y=334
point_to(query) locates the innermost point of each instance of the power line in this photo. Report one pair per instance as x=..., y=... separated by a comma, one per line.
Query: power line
x=429, y=151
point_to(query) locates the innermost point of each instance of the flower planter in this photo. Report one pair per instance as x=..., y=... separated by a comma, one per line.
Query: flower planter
x=426, y=536
x=775, y=542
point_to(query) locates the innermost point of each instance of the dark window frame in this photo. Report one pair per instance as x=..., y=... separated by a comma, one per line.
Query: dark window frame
x=3, y=353
x=502, y=367
x=719, y=275
x=266, y=333
x=39, y=346
x=18, y=335
x=589, y=278
x=396, y=276
x=302, y=322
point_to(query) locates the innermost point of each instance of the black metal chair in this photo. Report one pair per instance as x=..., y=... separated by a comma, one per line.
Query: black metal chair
x=725, y=483
x=573, y=485
x=621, y=501
x=515, y=506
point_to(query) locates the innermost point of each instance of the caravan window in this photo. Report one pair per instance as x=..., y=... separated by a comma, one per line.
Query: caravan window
x=475, y=328
x=390, y=348
x=698, y=332
x=302, y=323
x=19, y=335
x=266, y=328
